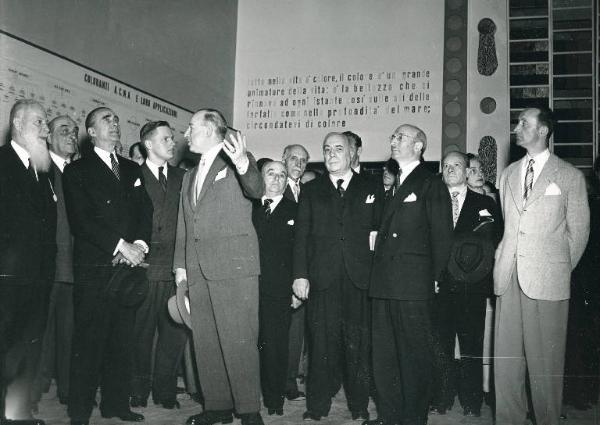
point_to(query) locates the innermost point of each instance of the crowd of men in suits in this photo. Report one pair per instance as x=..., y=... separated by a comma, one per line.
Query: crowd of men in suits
x=377, y=280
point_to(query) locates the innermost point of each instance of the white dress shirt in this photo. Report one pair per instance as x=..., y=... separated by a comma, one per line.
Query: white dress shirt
x=538, y=164
x=276, y=200
x=346, y=177
x=59, y=161
x=407, y=169
x=462, y=194
x=295, y=187
x=23, y=155
x=154, y=168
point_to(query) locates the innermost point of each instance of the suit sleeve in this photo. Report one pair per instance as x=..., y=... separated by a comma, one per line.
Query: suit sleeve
x=578, y=218
x=145, y=213
x=303, y=222
x=439, y=213
x=84, y=221
x=180, y=236
x=251, y=180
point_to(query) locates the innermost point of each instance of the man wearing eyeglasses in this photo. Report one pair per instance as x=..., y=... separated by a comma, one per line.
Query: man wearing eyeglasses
x=412, y=249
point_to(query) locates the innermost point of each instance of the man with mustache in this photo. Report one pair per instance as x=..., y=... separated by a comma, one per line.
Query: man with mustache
x=27, y=253
x=56, y=352
x=111, y=220
x=163, y=184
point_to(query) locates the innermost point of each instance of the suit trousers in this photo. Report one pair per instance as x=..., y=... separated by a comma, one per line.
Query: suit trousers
x=151, y=318
x=463, y=315
x=56, y=346
x=274, y=319
x=23, y=315
x=339, y=346
x=101, y=352
x=296, y=347
x=402, y=359
x=224, y=316
x=530, y=336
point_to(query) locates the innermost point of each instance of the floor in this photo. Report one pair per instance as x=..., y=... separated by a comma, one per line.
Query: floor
x=54, y=414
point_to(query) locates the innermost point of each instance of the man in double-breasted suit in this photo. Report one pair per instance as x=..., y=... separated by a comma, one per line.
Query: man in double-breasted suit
x=546, y=227
x=27, y=253
x=216, y=256
x=111, y=219
x=274, y=220
x=338, y=217
x=460, y=305
x=163, y=185
x=411, y=252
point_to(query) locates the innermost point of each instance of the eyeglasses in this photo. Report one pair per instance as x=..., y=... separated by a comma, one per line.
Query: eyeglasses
x=401, y=136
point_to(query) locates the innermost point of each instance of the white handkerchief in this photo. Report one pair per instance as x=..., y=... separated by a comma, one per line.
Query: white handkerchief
x=552, y=190
x=484, y=213
x=370, y=199
x=410, y=198
x=290, y=223
x=137, y=183
x=221, y=174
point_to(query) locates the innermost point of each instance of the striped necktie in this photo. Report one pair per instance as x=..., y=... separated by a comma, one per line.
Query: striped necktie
x=114, y=164
x=528, y=180
x=455, y=207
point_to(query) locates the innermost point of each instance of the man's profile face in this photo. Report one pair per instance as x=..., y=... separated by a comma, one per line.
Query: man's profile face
x=336, y=153
x=388, y=177
x=137, y=156
x=198, y=134
x=454, y=170
x=528, y=128
x=106, y=128
x=32, y=126
x=295, y=163
x=162, y=144
x=403, y=144
x=275, y=178
x=63, y=139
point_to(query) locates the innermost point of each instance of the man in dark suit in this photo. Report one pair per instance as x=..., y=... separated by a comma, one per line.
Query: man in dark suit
x=295, y=158
x=412, y=250
x=27, y=254
x=111, y=220
x=216, y=257
x=461, y=302
x=356, y=146
x=274, y=219
x=163, y=184
x=56, y=351
x=338, y=216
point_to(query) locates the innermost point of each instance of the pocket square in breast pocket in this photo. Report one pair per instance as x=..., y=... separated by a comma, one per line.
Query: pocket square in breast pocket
x=290, y=222
x=221, y=174
x=552, y=190
x=410, y=198
x=137, y=183
x=370, y=199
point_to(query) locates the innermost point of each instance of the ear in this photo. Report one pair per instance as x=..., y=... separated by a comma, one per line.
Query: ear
x=543, y=130
x=91, y=132
x=17, y=123
x=418, y=146
x=147, y=144
x=359, y=151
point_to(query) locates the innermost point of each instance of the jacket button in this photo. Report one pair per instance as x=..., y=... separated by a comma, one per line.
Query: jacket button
x=108, y=202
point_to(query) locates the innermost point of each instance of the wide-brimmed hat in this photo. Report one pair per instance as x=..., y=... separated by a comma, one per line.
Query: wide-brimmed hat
x=471, y=258
x=179, y=307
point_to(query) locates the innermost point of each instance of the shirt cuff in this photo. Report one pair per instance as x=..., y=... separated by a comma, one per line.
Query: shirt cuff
x=143, y=244
x=118, y=248
x=242, y=167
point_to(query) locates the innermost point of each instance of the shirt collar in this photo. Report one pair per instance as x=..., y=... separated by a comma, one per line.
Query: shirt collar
x=539, y=159
x=356, y=169
x=276, y=200
x=105, y=155
x=347, y=177
x=21, y=153
x=154, y=168
x=462, y=191
x=209, y=156
x=59, y=161
x=407, y=169
x=293, y=182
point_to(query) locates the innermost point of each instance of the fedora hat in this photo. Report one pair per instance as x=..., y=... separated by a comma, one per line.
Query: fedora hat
x=179, y=307
x=471, y=258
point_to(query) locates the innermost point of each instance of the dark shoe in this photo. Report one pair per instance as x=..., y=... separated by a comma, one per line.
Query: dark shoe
x=22, y=422
x=278, y=411
x=127, y=416
x=169, y=404
x=211, y=417
x=311, y=416
x=295, y=396
x=474, y=413
x=197, y=397
x=252, y=419
x=362, y=415
x=437, y=410
x=138, y=401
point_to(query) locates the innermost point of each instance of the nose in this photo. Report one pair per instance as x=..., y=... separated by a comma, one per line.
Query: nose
x=186, y=135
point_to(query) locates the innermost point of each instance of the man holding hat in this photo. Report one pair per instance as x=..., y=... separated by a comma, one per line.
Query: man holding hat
x=461, y=302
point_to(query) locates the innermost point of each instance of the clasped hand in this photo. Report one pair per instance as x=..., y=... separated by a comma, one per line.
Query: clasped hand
x=131, y=254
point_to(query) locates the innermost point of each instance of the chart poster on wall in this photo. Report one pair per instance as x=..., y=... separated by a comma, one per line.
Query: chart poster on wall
x=64, y=87
x=306, y=68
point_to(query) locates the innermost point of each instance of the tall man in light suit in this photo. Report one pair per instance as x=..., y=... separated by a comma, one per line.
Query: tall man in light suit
x=217, y=257
x=546, y=217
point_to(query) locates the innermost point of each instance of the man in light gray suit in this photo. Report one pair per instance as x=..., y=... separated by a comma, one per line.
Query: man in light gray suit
x=546, y=226
x=217, y=257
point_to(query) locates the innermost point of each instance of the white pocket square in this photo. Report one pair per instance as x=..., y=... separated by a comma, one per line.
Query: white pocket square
x=290, y=223
x=221, y=174
x=370, y=199
x=410, y=198
x=137, y=183
x=484, y=213
x=552, y=190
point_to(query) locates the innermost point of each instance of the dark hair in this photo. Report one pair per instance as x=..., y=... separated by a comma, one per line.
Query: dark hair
x=546, y=118
x=141, y=147
x=261, y=163
x=90, y=120
x=217, y=119
x=392, y=166
x=353, y=138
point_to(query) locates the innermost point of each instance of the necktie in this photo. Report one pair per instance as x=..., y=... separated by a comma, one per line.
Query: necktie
x=31, y=171
x=397, y=183
x=114, y=164
x=340, y=188
x=162, y=179
x=296, y=189
x=455, y=209
x=267, y=206
x=65, y=164
x=528, y=180
x=199, y=179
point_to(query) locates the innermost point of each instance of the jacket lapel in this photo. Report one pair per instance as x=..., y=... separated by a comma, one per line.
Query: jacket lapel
x=192, y=186
x=217, y=165
x=515, y=186
x=542, y=182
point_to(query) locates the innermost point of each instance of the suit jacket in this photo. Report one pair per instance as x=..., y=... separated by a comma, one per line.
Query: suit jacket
x=276, y=243
x=470, y=217
x=288, y=192
x=333, y=232
x=103, y=209
x=164, y=221
x=215, y=235
x=546, y=237
x=27, y=222
x=64, y=239
x=414, y=241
